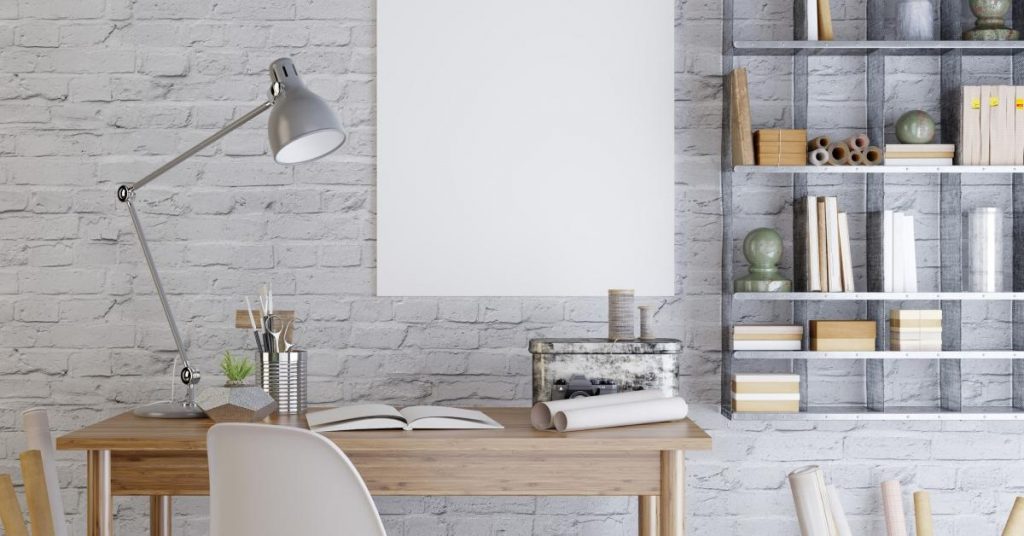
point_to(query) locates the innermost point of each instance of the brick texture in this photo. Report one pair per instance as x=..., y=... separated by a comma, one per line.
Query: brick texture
x=99, y=92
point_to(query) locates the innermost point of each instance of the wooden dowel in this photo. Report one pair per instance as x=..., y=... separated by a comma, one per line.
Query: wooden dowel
x=10, y=510
x=923, y=514
x=1015, y=523
x=36, y=494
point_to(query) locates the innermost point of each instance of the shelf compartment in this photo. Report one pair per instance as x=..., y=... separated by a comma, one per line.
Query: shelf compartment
x=835, y=356
x=895, y=48
x=879, y=296
x=788, y=170
x=895, y=413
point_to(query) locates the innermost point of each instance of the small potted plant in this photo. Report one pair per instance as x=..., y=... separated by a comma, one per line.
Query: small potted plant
x=236, y=400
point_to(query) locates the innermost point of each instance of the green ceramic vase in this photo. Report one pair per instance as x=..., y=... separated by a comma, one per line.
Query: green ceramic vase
x=763, y=249
x=991, y=25
x=915, y=126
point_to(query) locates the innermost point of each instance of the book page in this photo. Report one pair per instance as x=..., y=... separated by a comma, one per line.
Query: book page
x=333, y=416
x=440, y=417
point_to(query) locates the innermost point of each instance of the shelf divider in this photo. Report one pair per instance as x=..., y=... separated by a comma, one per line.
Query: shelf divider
x=1017, y=366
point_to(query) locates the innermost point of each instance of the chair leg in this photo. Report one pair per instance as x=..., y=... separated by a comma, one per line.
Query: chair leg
x=10, y=510
x=160, y=515
x=36, y=494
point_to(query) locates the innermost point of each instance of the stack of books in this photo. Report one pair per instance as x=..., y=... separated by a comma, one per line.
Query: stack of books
x=920, y=154
x=992, y=129
x=829, y=260
x=843, y=335
x=767, y=337
x=774, y=393
x=899, y=257
x=777, y=147
x=915, y=330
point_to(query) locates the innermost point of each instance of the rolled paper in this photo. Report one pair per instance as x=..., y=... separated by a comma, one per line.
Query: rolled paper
x=892, y=501
x=543, y=413
x=838, y=514
x=873, y=156
x=643, y=412
x=858, y=142
x=821, y=142
x=810, y=497
x=818, y=157
x=857, y=158
x=1015, y=524
x=923, y=514
x=37, y=435
x=838, y=154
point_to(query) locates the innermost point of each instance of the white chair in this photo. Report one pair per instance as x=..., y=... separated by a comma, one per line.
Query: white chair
x=271, y=480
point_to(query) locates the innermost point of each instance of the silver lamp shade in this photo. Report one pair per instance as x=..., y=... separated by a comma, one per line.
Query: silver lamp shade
x=302, y=126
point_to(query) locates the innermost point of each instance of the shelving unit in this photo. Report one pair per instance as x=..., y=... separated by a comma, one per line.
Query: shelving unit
x=951, y=295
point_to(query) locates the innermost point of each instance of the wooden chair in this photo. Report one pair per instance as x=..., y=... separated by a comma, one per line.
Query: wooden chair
x=36, y=495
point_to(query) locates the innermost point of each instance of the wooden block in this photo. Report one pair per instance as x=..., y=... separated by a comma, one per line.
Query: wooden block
x=766, y=406
x=843, y=329
x=36, y=494
x=765, y=387
x=768, y=328
x=842, y=345
x=740, y=127
x=781, y=160
x=10, y=510
x=775, y=134
x=767, y=336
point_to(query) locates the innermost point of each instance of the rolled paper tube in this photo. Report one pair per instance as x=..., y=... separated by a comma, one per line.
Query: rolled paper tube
x=642, y=412
x=1015, y=524
x=892, y=501
x=923, y=514
x=873, y=156
x=818, y=157
x=858, y=142
x=543, y=413
x=810, y=498
x=37, y=435
x=838, y=154
x=838, y=514
x=821, y=142
x=857, y=158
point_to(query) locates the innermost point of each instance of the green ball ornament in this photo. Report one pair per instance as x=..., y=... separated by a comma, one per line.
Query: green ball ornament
x=915, y=126
x=763, y=249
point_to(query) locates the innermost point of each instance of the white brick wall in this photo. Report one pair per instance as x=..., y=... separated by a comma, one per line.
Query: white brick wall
x=99, y=92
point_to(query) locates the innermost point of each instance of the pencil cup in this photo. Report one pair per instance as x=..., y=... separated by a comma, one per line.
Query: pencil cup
x=283, y=376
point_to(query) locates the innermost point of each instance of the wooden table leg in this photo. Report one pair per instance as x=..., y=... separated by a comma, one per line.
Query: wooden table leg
x=672, y=511
x=160, y=515
x=648, y=515
x=100, y=515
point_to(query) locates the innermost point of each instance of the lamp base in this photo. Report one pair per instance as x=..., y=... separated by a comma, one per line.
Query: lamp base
x=170, y=410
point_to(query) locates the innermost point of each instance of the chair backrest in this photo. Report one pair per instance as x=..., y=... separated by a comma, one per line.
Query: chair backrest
x=270, y=480
x=36, y=423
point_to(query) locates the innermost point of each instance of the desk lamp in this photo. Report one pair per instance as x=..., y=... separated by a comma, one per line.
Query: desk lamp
x=301, y=128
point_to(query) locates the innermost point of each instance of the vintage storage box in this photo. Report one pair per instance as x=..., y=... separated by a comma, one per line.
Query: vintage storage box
x=573, y=368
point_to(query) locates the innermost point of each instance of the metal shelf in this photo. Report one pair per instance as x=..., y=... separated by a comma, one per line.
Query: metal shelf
x=876, y=170
x=895, y=413
x=878, y=296
x=895, y=48
x=965, y=354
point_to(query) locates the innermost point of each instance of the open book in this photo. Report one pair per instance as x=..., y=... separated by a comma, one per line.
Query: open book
x=384, y=417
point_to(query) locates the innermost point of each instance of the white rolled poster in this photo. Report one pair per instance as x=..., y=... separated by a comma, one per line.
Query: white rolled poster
x=542, y=415
x=810, y=496
x=641, y=412
x=892, y=502
x=838, y=514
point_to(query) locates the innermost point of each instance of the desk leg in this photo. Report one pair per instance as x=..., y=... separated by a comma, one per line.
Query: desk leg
x=100, y=515
x=648, y=515
x=160, y=515
x=672, y=511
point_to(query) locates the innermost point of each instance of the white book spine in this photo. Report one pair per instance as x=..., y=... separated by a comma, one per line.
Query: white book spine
x=812, y=19
x=897, y=257
x=887, y=243
x=909, y=251
x=985, y=156
x=813, y=268
x=835, y=279
x=845, y=255
x=910, y=162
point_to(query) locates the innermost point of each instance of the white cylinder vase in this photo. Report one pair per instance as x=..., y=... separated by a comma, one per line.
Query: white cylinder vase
x=915, y=20
x=985, y=250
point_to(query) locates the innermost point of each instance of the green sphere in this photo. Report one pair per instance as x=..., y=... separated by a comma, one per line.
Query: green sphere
x=763, y=247
x=915, y=126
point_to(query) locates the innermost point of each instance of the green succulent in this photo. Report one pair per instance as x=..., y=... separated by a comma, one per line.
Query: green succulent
x=236, y=369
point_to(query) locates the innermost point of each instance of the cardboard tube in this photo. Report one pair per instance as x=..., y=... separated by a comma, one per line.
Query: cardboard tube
x=858, y=142
x=838, y=514
x=873, y=156
x=642, y=412
x=818, y=157
x=892, y=501
x=857, y=158
x=923, y=514
x=810, y=497
x=1015, y=524
x=543, y=413
x=37, y=434
x=838, y=154
x=821, y=142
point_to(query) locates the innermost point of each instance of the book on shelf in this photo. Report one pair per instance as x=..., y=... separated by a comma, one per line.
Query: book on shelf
x=920, y=150
x=915, y=330
x=835, y=279
x=810, y=209
x=909, y=254
x=899, y=256
x=843, y=335
x=845, y=256
x=992, y=126
x=970, y=126
x=766, y=392
x=827, y=246
x=822, y=246
x=910, y=162
x=766, y=403
x=762, y=337
x=384, y=417
x=825, y=21
x=887, y=252
x=811, y=19
x=740, y=128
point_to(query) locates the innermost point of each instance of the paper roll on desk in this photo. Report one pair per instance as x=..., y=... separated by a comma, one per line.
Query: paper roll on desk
x=642, y=412
x=923, y=514
x=1015, y=523
x=543, y=413
x=810, y=496
x=38, y=437
x=892, y=501
x=838, y=514
x=818, y=157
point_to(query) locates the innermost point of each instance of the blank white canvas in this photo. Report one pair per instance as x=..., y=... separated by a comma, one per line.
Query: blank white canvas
x=525, y=147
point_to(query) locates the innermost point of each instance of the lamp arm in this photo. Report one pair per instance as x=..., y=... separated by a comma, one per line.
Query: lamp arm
x=126, y=194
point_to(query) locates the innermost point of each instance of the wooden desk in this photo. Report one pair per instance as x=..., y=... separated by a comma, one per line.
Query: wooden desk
x=128, y=455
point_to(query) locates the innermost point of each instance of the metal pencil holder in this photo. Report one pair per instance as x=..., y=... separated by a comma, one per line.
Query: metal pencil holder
x=283, y=376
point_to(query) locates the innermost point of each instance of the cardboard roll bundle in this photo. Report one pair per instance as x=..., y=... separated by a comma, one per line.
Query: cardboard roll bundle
x=854, y=151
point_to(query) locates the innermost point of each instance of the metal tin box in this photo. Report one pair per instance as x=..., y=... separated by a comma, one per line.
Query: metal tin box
x=572, y=368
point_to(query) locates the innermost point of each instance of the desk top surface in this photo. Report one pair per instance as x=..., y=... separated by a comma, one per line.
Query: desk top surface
x=128, y=432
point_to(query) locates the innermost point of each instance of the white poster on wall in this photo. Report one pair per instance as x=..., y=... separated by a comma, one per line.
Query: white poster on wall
x=525, y=147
